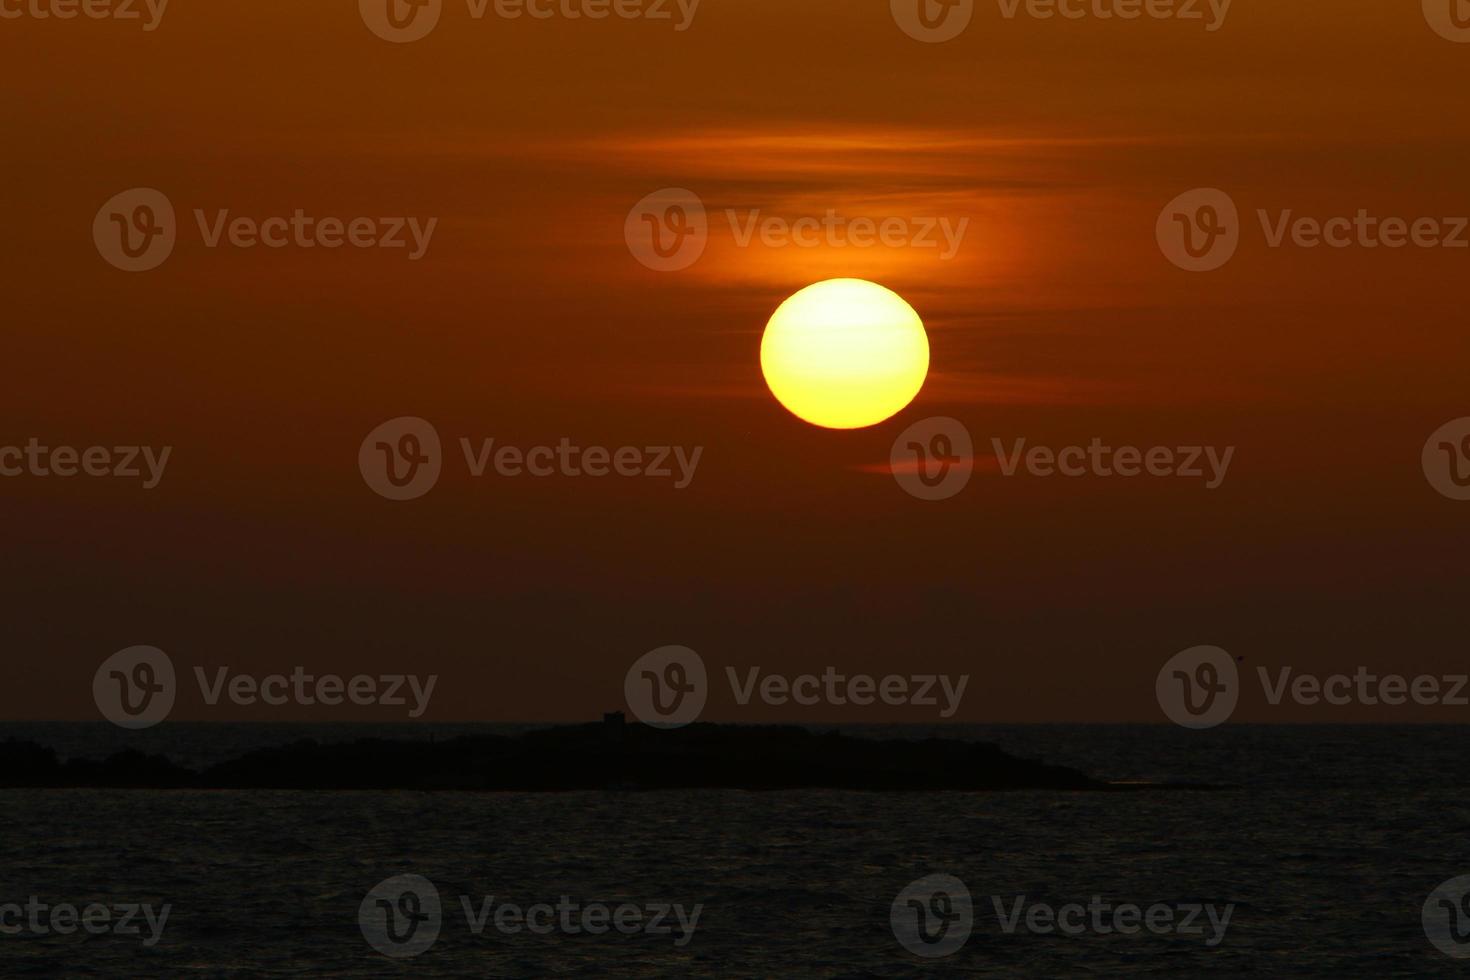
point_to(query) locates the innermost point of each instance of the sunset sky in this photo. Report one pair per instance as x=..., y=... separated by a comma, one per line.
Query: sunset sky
x=528, y=320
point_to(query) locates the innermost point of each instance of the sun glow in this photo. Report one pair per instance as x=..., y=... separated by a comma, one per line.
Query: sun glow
x=845, y=353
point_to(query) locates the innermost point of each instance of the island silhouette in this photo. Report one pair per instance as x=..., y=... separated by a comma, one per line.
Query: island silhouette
x=612, y=755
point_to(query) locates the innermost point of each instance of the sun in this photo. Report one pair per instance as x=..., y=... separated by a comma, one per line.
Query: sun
x=845, y=353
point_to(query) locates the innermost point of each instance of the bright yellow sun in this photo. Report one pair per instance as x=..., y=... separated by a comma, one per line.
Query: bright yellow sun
x=845, y=353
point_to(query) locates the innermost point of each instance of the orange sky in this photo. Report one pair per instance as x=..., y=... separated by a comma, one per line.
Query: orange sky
x=528, y=320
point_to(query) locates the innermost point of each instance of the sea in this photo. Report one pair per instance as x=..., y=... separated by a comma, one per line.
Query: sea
x=1333, y=849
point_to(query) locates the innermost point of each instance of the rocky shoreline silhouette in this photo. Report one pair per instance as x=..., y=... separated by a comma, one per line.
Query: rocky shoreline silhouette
x=607, y=756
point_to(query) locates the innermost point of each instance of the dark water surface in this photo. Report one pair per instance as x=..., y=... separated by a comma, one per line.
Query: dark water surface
x=1327, y=850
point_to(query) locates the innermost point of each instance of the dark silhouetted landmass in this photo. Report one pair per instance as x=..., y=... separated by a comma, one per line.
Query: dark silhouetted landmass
x=608, y=756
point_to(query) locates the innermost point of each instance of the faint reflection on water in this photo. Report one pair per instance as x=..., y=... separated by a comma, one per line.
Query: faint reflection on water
x=1327, y=869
